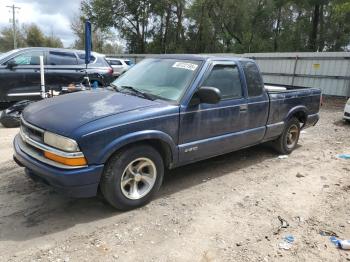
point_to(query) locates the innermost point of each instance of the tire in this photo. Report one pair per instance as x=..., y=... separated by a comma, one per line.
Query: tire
x=288, y=141
x=131, y=166
x=9, y=121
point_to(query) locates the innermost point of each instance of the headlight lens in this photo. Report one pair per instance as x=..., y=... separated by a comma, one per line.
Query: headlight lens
x=348, y=103
x=61, y=142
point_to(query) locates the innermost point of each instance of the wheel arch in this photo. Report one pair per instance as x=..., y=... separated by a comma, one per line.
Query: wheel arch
x=299, y=112
x=162, y=142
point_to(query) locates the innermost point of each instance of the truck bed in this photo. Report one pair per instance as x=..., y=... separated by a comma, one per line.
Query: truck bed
x=283, y=101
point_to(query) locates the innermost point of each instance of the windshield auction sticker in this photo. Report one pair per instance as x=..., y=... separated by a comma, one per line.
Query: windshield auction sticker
x=187, y=66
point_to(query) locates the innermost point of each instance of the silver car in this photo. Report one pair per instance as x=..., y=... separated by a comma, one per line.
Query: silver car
x=120, y=66
x=347, y=111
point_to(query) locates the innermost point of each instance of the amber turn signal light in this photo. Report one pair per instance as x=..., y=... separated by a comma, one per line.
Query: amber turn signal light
x=79, y=161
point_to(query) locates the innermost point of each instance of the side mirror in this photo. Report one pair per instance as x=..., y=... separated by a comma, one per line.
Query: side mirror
x=11, y=64
x=207, y=95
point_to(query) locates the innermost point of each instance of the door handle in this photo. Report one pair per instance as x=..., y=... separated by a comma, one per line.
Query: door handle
x=243, y=108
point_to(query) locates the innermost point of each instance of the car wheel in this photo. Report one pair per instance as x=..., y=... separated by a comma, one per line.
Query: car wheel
x=132, y=177
x=288, y=141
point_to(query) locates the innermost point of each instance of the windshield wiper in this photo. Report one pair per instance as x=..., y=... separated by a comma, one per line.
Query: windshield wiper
x=135, y=91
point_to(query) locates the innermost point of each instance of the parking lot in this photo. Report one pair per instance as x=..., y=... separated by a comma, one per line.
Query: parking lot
x=222, y=209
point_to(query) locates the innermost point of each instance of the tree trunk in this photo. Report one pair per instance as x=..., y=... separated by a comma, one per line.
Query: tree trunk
x=277, y=30
x=321, y=35
x=161, y=32
x=167, y=22
x=179, y=12
x=314, y=30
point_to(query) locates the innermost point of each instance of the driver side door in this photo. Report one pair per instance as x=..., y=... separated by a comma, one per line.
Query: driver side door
x=207, y=130
x=23, y=79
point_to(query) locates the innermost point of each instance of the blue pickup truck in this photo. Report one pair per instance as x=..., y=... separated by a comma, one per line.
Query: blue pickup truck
x=163, y=113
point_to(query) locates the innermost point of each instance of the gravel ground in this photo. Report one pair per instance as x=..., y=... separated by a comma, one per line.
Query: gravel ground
x=222, y=209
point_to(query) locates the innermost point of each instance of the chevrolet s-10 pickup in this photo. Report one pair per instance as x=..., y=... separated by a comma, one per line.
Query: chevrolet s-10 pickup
x=163, y=113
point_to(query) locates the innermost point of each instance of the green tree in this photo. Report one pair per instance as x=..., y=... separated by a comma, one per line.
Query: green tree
x=200, y=26
x=103, y=41
x=130, y=17
x=34, y=36
x=53, y=41
x=6, y=39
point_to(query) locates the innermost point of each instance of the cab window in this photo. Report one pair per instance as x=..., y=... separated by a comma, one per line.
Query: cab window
x=255, y=83
x=226, y=79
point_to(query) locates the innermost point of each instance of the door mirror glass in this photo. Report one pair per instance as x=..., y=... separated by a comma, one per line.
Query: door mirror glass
x=207, y=95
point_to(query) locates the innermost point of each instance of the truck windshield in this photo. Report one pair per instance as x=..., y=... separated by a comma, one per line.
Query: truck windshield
x=164, y=78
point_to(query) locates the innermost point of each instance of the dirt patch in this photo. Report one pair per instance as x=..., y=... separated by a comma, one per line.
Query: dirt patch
x=222, y=209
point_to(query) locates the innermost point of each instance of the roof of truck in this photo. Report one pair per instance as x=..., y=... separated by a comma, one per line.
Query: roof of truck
x=203, y=57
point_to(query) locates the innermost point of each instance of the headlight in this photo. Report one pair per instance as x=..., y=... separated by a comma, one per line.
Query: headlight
x=348, y=103
x=61, y=142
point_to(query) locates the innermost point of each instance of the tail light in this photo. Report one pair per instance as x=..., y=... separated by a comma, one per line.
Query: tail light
x=321, y=100
x=110, y=71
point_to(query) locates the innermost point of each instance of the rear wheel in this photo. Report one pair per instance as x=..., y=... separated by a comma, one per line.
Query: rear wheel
x=132, y=177
x=288, y=141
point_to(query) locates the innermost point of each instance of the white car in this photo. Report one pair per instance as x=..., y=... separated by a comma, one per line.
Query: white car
x=120, y=66
x=347, y=111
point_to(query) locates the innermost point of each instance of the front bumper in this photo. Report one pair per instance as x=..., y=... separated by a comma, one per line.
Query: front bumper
x=81, y=182
x=347, y=112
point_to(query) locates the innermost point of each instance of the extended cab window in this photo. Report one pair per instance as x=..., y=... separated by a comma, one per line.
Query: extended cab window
x=28, y=58
x=255, y=83
x=62, y=58
x=226, y=79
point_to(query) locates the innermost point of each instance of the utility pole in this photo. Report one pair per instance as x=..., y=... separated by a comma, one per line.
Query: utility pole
x=13, y=7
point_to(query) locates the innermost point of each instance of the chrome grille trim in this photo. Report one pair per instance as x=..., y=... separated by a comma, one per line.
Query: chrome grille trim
x=36, y=155
x=43, y=147
x=31, y=126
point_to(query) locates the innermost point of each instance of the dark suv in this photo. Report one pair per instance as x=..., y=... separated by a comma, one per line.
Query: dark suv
x=20, y=71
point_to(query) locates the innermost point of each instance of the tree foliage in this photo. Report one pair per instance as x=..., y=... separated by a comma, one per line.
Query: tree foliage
x=27, y=36
x=103, y=41
x=200, y=26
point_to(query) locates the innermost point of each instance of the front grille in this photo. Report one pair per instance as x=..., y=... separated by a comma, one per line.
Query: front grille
x=347, y=114
x=33, y=133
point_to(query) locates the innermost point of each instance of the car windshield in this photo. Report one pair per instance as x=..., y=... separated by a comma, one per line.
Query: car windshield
x=7, y=53
x=164, y=78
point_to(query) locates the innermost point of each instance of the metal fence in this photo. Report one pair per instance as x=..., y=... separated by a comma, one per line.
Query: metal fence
x=329, y=71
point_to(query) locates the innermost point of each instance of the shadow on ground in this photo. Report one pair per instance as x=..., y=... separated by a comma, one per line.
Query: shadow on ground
x=29, y=210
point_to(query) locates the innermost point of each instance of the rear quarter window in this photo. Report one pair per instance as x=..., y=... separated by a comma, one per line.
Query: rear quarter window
x=81, y=59
x=255, y=83
x=62, y=58
x=115, y=62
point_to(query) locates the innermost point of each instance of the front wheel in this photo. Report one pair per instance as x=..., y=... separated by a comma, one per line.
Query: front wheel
x=132, y=177
x=288, y=141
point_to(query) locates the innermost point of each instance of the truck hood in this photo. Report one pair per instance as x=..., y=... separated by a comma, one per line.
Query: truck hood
x=65, y=113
